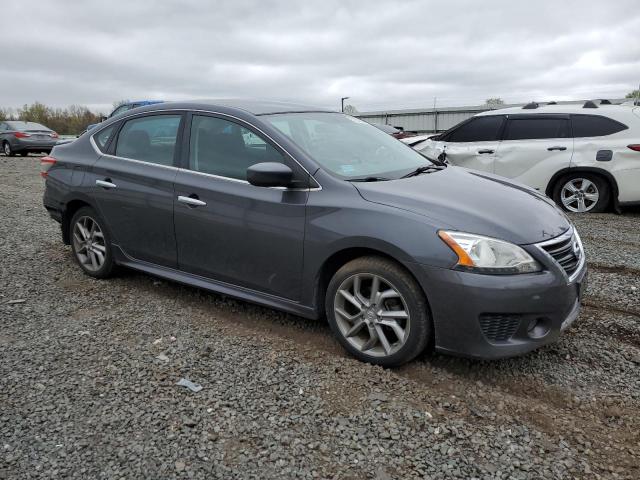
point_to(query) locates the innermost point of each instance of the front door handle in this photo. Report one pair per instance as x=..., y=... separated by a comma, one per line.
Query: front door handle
x=106, y=183
x=486, y=150
x=193, y=202
x=551, y=149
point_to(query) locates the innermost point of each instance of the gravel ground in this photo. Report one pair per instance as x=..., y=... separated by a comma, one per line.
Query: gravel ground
x=88, y=373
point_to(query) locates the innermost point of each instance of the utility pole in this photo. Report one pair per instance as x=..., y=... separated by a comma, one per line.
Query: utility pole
x=435, y=115
x=342, y=103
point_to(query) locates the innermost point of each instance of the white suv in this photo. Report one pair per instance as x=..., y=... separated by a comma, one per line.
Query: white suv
x=584, y=157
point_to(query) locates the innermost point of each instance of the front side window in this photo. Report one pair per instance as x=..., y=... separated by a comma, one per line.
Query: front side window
x=150, y=139
x=346, y=146
x=536, y=128
x=478, y=129
x=595, y=126
x=224, y=148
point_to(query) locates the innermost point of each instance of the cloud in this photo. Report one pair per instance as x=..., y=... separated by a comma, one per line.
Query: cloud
x=381, y=54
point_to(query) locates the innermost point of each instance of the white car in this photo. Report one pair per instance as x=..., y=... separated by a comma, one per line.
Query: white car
x=584, y=157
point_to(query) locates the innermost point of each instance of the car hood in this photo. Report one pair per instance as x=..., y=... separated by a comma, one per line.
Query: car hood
x=473, y=202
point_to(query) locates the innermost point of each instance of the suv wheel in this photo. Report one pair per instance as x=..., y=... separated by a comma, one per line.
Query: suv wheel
x=582, y=193
x=91, y=244
x=378, y=312
x=6, y=148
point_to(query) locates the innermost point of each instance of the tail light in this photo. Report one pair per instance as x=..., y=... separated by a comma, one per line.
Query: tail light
x=45, y=164
x=54, y=135
x=21, y=135
x=634, y=147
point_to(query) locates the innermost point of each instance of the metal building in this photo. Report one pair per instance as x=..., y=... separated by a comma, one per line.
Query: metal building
x=428, y=120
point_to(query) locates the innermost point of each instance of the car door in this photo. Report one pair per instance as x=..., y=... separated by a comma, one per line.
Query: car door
x=474, y=143
x=133, y=186
x=227, y=229
x=534, y=147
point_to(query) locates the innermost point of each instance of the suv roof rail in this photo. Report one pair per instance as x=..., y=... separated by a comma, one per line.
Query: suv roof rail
x=552, y=102
x=589, y=104
x=604, y=101
x=530, y=106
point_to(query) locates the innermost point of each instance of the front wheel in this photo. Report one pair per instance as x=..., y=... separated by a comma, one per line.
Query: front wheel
x=91, y=244
x=582, y=193
x=378, y=312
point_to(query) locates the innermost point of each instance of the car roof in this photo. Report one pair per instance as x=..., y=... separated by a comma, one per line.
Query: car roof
x=255, y=107
x=144, y=102
x=617, y=112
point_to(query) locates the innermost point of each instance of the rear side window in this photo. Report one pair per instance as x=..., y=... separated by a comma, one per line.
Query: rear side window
x=595, y=126
x=223, y=148
x=479, y=129
x=536, y=128
x=102, y=138
x=150, y=139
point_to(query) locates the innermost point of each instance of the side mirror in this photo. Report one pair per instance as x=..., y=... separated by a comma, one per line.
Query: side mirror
x=269, y=174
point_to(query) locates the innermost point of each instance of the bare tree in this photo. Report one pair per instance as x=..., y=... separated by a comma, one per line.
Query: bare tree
x=494, y=102
x=350, y=110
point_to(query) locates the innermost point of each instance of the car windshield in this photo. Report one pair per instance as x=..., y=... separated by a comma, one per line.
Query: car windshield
x=348, y=147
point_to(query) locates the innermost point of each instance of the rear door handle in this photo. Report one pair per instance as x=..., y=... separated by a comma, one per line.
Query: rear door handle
x=193, y=202
x=106, y=183
x=486, y=150
x=551, y=149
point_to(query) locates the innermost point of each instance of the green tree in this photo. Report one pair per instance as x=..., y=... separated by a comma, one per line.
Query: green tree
x=634, y=94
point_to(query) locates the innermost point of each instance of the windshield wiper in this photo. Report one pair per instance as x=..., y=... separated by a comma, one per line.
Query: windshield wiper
x=423, y=169
x=369, y=179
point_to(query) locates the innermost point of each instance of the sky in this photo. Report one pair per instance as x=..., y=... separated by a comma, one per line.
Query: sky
x=382, y=54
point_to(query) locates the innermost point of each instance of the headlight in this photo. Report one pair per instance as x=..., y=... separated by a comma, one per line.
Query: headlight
x=488, y=255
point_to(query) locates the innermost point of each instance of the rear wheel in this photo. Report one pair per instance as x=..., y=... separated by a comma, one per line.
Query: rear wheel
x=91, y=244
x=24, y=154
x=378, y=312
x=6, y=148
x=582, y=193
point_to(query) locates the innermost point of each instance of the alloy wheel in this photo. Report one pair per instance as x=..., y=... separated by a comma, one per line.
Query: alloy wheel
x=579, y=195
x=89, y=244
x=372, y=314
x=7, y=149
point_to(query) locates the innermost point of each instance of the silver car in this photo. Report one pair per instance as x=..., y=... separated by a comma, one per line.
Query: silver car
x=17, y=136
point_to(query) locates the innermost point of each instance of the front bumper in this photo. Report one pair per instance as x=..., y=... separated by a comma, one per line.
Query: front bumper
x=491, y=316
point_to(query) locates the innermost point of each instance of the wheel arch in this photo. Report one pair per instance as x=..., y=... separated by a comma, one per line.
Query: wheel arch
x=593, y=170
x=341, y=257
x=71, y=206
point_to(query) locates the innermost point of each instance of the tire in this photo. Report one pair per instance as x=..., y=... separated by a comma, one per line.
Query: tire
x=591, y=192
x=355, y=327
x=91, y=248
x=7, y=150
x=24, y=154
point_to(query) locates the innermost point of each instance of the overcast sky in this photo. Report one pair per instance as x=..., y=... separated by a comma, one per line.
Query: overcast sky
x=383, y=54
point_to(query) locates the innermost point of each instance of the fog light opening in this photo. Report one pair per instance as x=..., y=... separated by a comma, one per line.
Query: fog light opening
x=538, y=327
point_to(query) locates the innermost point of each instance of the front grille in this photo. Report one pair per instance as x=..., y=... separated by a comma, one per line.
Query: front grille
x=567, y=252
x=499, y=327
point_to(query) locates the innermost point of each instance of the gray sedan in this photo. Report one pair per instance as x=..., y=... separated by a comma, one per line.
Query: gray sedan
x=321, y=215
x=17, y=136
